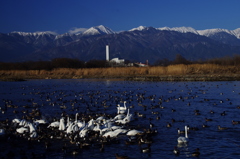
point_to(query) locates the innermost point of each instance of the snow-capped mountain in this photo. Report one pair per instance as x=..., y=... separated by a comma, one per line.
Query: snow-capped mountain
x=210, y=32
x=140, y=28
x=138, y=44
x=34, y=33
x=180, y=29
x=207, y=32
x=98, y=30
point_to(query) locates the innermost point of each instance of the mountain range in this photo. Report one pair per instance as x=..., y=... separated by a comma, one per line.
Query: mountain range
x=137, y=45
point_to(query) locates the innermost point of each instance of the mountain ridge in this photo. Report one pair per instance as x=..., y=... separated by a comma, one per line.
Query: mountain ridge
x=105, y=30
x=138, y=44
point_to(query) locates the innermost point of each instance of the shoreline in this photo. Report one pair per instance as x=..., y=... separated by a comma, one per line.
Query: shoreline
x=193, y=72
x=188, y=78
x=212, y=77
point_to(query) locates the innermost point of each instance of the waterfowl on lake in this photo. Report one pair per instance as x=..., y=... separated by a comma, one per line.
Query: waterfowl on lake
x=182, y=139
x=93, y=104
x=207, y=119
x=54, y=124
x=176, y=151
x=223, y=113
x=222, y=128
x=146, y=149
x=196, y=153
x=205, y=126
x=120, y=156
x=62, y=125
x=121, y=110
x=134, y=132
x=169, y=125
x=180, y=131
x=235, y=122
x=211, y=111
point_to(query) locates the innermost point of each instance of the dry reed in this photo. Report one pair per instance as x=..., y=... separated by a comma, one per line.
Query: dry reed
x=121, y=72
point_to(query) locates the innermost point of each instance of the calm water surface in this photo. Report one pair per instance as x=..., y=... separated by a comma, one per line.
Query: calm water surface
x=170, y=101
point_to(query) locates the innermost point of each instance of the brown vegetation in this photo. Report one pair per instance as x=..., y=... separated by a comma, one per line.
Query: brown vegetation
x=179, y=69
x=177, y=72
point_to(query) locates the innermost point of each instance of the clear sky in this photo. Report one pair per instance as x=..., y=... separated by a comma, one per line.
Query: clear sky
x=61, y=16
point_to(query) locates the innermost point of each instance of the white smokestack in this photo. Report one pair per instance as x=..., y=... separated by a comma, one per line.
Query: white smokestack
x=107, y=53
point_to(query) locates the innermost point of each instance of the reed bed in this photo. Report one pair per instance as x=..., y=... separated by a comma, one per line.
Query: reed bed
x=122, y=72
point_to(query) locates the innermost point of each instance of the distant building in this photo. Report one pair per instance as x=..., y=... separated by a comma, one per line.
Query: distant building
x=140, y=64
x=117, y=61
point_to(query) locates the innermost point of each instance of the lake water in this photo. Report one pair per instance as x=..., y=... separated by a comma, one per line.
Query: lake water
x=186, y=103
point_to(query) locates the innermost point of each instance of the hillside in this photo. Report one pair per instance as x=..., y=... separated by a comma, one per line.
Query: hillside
x=137, y=45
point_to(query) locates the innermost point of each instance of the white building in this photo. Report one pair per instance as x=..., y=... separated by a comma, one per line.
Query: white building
x=117, y=61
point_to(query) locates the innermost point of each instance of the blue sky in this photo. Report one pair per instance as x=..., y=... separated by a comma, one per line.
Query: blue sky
x=61, y=16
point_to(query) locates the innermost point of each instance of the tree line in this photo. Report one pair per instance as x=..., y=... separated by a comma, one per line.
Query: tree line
x=179, y=59
x=55, y=63
x=75, y=63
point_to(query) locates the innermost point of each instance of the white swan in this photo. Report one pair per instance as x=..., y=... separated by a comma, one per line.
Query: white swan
x=108, y=124
x=122, y=110
x=22, y=130
x=41, y=121
x=31, y=127
x=62, y=125
x=72, y=128
x=76, y=118
x=126, y=120
x=121, y=131
x=16, y=120
x=68, y=122
x=97, y=127
x=54, y=124
x=115, y=127
x=81, y=125
x=84, y=132
x=90, y=125
x=100, y=118
x=33, y=132
x=78, y=122
x=134, y=132
x=182, y=139
x=112, y=133
x=23, y=122
x=104, y=130
x=119, y=117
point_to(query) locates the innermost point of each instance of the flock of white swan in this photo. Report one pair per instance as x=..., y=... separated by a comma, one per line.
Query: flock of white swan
x=80, y=132
x=106, y=127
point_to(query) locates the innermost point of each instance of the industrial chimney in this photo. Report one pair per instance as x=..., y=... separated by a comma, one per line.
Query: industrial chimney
x=107, y=53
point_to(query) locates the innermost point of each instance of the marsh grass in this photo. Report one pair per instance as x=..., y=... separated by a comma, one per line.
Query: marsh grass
x=122, y=72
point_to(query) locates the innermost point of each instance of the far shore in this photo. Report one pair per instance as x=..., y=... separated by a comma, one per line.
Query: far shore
x=193, y=72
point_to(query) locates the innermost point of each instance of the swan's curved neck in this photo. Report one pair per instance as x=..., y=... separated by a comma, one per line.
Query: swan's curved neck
x=76, y=116
x=186, y=135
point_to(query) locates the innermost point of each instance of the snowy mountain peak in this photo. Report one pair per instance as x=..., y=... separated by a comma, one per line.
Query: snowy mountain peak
x=98, y=30
x=180, y=29
x=237, y=33
x=164, y=28
x=140, y=28
x=34, y=33
x=209, y=32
